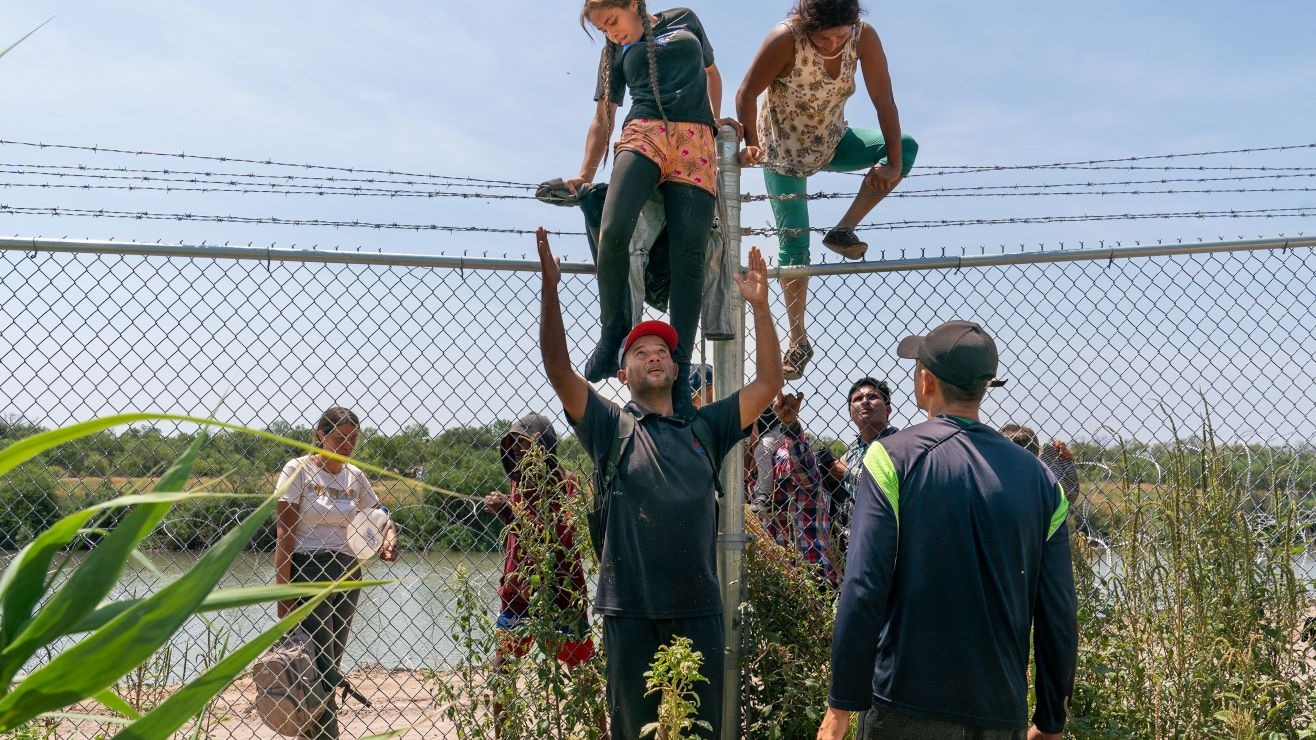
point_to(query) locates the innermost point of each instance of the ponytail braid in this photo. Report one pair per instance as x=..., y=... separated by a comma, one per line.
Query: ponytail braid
x=605, y=84
x=651, y=47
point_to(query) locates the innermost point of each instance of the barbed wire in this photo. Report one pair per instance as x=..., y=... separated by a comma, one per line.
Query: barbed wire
x=964, y=168
x=367, y=192
x=282, y=188
x=1135, y=167
x=935, y=169
x=235, y=181
x=81, y=168
x=1301, y=211
x=264, y=162
x=989, y=189
x=315, y=190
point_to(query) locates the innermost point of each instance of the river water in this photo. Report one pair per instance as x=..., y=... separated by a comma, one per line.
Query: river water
x=405, y=625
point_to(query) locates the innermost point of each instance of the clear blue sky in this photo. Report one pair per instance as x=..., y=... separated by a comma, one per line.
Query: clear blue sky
x=503, y=90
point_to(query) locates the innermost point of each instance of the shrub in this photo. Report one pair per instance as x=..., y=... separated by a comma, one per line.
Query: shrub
x=27, y=505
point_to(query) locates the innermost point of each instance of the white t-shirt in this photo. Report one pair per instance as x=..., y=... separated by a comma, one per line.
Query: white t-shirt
x=328, y=502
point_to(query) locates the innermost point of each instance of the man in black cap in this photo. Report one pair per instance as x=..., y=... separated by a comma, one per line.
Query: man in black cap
x=959, y=557
x=658, y=567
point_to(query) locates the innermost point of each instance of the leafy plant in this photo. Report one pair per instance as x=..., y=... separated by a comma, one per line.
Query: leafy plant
x=535, y=694
x=1191, y=622
x=673, y=675
x=786, y=627
x=45, y=597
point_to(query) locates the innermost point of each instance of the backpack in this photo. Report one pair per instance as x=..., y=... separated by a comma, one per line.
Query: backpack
x=290, y=694
x=605, y=475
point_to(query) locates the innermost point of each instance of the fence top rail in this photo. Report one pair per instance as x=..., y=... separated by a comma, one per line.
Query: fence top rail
x=36, y=245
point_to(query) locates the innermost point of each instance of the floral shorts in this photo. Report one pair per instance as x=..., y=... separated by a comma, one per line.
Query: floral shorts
x=684, y=152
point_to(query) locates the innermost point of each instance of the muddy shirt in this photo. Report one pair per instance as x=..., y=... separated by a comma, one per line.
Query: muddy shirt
x=660, y=553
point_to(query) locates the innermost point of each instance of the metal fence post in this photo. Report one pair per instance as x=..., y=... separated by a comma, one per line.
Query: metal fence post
x=729, y=377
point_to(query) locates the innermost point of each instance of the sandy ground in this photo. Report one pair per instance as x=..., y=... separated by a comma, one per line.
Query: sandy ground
x=402, y=699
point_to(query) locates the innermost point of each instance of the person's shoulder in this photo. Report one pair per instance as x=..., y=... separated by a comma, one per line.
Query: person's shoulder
x=297, y=464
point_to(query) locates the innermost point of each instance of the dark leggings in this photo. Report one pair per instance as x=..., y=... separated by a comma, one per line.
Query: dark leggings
x=689, y=218
x=329, y=626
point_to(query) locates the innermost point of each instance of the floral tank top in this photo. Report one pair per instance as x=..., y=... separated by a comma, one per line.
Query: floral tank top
x=803, y=114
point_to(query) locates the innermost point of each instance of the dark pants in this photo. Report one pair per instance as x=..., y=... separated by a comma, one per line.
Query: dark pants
x=328, y=625
x=884, y=723
x=689, y=219
x=630, y=645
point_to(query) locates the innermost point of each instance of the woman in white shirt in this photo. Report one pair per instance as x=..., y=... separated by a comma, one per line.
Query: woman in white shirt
x=321, y=499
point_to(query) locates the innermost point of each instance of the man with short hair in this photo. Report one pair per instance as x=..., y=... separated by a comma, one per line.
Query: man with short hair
x=959, y=558
x=658, y=568
x=869, y=401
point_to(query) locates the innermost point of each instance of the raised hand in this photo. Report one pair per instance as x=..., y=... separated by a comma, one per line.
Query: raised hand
x=754, y=283
x=549, y=266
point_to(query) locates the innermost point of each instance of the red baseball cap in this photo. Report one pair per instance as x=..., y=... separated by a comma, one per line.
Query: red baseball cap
x=660, y=329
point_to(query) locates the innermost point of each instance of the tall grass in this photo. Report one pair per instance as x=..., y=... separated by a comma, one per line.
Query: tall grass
x=1190, y=621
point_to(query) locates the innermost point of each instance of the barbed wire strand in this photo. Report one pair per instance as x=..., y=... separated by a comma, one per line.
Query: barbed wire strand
x=81, y=168
x=367, y=192
x=264, y=162
x=1294, y=212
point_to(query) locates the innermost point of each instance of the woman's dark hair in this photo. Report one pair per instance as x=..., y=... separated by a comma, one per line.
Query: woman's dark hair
x=820, y=15
x=334, y=417
x=610, y=50
x=1023, y=436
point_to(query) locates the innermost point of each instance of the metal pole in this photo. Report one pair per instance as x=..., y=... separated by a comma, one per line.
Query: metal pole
x=37, y=245
x=729, y=377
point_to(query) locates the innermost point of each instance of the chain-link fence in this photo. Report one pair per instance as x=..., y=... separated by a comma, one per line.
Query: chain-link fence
x=1118, y=354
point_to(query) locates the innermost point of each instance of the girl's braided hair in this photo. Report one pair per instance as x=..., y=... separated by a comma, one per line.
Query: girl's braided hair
x=820, y=15
x=610, y=50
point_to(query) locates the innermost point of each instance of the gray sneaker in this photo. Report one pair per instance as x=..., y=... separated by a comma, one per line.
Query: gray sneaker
x=795, y=360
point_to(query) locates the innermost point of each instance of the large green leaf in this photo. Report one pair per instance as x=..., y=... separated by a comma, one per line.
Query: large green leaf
x=112, y=651
x=98, y=573
x=29, y=33
x=191, y=699
x=24, y=580
x=29, y=447
x=231, y=598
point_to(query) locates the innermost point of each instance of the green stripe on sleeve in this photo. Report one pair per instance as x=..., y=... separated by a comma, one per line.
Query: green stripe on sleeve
x=880, y=466
x=1062, y=511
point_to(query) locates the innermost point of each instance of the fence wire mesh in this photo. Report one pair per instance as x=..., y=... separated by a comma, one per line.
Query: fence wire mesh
x=1118, y=358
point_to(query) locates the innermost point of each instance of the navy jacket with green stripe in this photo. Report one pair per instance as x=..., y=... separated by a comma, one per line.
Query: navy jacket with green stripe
x=959, y=553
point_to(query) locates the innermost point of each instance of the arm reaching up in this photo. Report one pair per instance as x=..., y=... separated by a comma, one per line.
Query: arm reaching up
x=571, y=389
x=768, y=380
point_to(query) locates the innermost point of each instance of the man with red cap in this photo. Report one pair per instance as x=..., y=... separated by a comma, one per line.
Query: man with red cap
x=959, y=562
x=658, y=566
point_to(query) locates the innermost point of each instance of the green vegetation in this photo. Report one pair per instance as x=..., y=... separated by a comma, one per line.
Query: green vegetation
x=673, y=675
x=536, y=694
x=1191, y=622
x=239, y=466
x=45, y=597
x=786, y=665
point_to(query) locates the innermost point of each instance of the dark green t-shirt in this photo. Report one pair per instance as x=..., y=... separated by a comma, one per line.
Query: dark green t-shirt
x=660, y=553
x=683, y=55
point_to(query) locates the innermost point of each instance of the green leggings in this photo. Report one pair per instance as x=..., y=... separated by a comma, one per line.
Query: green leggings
x=859, y=149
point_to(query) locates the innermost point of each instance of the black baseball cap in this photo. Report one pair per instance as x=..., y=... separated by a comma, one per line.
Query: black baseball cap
x=961, y=353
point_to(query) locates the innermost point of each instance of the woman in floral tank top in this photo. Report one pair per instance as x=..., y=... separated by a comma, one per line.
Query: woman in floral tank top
x=807, y=65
